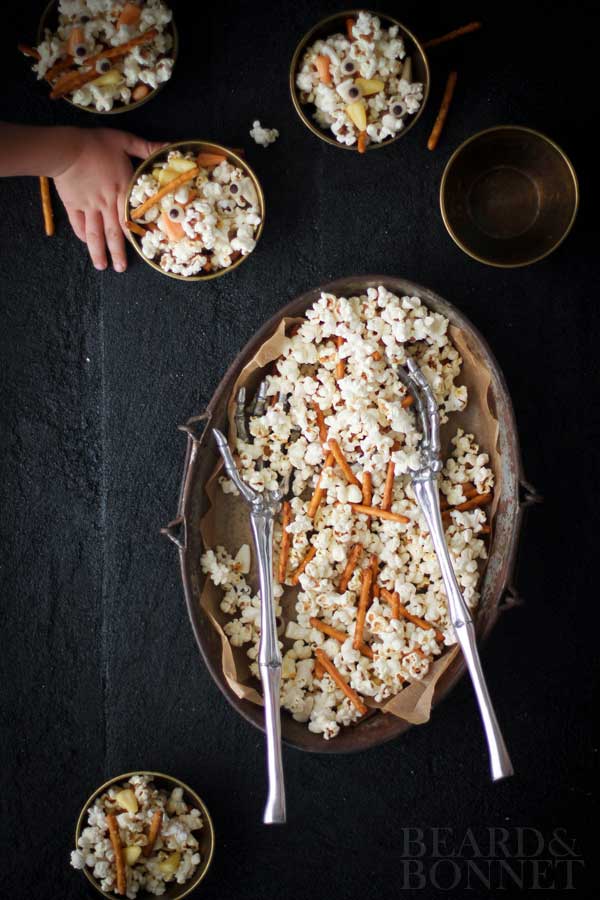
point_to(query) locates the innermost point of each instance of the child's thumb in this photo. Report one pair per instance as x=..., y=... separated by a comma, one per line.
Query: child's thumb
x=141, y=148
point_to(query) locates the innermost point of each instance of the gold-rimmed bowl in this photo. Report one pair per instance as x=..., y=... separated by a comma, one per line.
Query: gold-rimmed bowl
x=195, y=147
x=509, y=196
x=334, y=25
x=205, y=837
x=49, y=20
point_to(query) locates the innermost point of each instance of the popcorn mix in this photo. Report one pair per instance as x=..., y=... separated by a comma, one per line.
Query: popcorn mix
x=139, y=837
x=360, y=83
x=263, y=136
x=206, y=222
x=370, y=614
x=107, y=53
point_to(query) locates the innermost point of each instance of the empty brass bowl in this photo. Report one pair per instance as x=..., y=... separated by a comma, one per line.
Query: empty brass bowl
x=206, y=835
x=509, y=196
x=335, y=24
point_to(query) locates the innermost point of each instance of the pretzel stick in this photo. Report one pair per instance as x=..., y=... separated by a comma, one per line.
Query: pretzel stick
x=402, y=611
x=115, y=839
x=395, y=604
x=367, y=488
x=338, y=635
x=155, y=826
x=295, y=576
x=318, y=670
x=389, y=486
x=361, y=144
x=353, y=558
x=341, y=683
x=458, y=32
x=319, y=492
x=135, y=228
x=441, y=116
x=286, y=540
x=320, y=422
x=26, y=50
x=363, y=605
x=407, y=401
x=468, y=489
x=361, y=509
x=473, y=503
x=340, y=368
x=47, y=206
x=164, y=190
x=74, y=80
x=343, y=462
x=375, y=570
x=61, y=66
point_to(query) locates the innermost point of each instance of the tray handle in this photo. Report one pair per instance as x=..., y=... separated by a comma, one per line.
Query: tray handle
x=528, y=496
x=195, y=428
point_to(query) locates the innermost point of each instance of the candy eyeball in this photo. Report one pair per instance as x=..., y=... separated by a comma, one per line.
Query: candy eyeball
x=349, y=67
x=234, y=189
x=80, y=51
x=103, y=65
x=398, y=109
x=175, y=212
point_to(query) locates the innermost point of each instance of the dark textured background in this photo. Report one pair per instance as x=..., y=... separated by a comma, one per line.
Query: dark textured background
x=99, y=670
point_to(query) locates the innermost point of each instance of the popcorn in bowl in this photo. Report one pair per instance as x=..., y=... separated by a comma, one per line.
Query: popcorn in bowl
x=370, y=615
x=139, y=837
x=106, y=53
x=196, y=214
x=360, y=83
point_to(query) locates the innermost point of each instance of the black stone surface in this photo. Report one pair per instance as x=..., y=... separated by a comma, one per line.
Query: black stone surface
x=99, y=670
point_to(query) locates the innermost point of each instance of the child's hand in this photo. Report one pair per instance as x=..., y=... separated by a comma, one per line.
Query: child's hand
x=93, y=189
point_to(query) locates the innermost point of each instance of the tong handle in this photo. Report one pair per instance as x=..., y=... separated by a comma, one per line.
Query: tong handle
x=426, y=492
x=269, y=662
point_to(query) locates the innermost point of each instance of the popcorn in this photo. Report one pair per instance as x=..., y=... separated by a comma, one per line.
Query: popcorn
x=364, y=411
x=263, y=136
x=365, y=71
x=179, y=822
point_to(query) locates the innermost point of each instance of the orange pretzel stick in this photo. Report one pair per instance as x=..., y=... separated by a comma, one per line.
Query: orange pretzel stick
x=458, y=32
x=61, y=66
x=441, y=116
x=286, y=540
x=389, y=486
x=343, y=462
x=319, y=492
x=338, y=635
x=375, y=570
x=341, y=683
x=320, y=422
x=135, y=228
x=395, y=604
x=155, y=826
x=367, y=488
x=361, y=509
x=47, y=205
x=402, y=611
x=26, y=50
x=473, y=503
x=363, y=605
x=71, y=81
x=295, y=576
x=350, y=23
x=353, y=558
x=468, y=489
x=361, y=146
x=115, y=839
x=318, y=670
x=340, y=368
x=164, y=190
x=407, y=401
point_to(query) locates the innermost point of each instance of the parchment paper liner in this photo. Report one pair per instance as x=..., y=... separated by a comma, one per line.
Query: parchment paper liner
x=227, y=523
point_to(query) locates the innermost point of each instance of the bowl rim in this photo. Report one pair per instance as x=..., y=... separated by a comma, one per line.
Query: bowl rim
x=178, y=783
x=299, y=107
x=125, y=107
x=501, y=566
x=198, y=144
x=446, y=173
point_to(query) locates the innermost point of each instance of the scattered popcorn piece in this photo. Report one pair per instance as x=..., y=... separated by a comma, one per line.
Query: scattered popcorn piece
x=263, y=136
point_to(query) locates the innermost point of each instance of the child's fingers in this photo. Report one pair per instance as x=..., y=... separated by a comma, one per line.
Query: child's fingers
x=121, y=212
x=94, y=237
x=140, y=147
x=77, y=220
x=115, y=239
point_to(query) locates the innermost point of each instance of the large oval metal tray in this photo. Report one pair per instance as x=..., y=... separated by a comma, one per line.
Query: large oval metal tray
x=497, y=592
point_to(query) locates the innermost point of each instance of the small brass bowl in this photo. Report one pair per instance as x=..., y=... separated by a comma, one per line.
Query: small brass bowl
x=49, y=20
x=195, y=147
x=509, y=196
x=335, y=24
x=205, y=837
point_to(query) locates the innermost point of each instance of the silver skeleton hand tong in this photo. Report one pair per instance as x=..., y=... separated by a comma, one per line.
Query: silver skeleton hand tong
x=424, y=481
x=263, y=509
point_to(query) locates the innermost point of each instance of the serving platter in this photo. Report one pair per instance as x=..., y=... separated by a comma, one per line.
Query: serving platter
x=497, y=590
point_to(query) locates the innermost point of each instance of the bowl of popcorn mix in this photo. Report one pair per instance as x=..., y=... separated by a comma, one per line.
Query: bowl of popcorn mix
x=105, y=56
x=359, y=80
x=144, y=833
x=195, y=210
